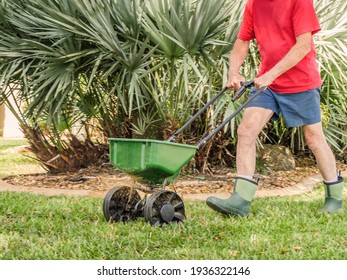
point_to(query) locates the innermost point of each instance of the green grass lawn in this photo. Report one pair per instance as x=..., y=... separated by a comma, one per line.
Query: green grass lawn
x=39, y=227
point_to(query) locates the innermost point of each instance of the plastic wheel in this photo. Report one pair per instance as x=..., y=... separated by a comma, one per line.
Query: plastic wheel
x=119, y=204
x=164, y=207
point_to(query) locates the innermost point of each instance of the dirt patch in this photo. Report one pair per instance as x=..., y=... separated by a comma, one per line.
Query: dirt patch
x=98, y=180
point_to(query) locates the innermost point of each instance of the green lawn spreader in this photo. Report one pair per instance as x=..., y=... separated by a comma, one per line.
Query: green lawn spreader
x=155, y=164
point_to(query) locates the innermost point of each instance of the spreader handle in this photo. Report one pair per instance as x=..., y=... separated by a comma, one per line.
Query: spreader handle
x=203, y=109
x=237, y=95
x=242, y=90
x=213, y=133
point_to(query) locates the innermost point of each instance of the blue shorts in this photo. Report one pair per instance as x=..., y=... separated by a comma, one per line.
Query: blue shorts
x=298, y=109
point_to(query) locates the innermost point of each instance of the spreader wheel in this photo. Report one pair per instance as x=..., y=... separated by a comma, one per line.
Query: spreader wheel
x=120, y=203
x=164, y=207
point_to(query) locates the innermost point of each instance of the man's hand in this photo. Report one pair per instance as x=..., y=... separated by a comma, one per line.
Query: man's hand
x=234, y=81
x=264, y=80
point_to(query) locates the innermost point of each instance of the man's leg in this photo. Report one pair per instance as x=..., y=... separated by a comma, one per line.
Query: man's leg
x=333, y=184
x=253, y=121
x=238, y=203
x=317, y=143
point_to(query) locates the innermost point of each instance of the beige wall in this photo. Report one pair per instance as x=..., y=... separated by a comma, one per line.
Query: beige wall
x=9, y=126
x=2, y=118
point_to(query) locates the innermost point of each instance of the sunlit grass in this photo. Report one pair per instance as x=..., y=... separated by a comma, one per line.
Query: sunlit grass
x=38, y=227
x=14, y=163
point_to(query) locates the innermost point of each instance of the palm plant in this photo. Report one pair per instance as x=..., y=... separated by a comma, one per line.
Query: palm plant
x=331, y=51
x=188, y=36
x=101, y=64
x=44, y=63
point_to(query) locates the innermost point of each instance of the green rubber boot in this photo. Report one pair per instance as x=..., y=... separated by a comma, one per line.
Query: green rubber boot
x=333, y=196
x=238, y=204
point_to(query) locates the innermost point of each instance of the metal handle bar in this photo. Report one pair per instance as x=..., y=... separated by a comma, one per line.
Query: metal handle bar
x=242, y=90
x=203, y=109
x=237, y=95
x=213, y=133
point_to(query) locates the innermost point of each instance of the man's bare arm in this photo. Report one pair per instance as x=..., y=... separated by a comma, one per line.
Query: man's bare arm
x=301, y=48
x=236, y=59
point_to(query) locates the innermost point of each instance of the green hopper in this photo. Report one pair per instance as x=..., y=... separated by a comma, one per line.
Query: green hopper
x=148, y=161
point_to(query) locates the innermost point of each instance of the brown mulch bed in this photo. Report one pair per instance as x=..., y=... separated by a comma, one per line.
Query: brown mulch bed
x=103, y=177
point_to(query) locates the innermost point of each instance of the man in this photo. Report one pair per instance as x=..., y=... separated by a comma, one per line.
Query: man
x=283, y=31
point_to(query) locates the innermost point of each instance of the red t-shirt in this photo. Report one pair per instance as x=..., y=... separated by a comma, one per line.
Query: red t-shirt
x=275, y=24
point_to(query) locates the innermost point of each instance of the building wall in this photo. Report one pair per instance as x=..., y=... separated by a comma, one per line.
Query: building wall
x=2, y=118
x=9, y=126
